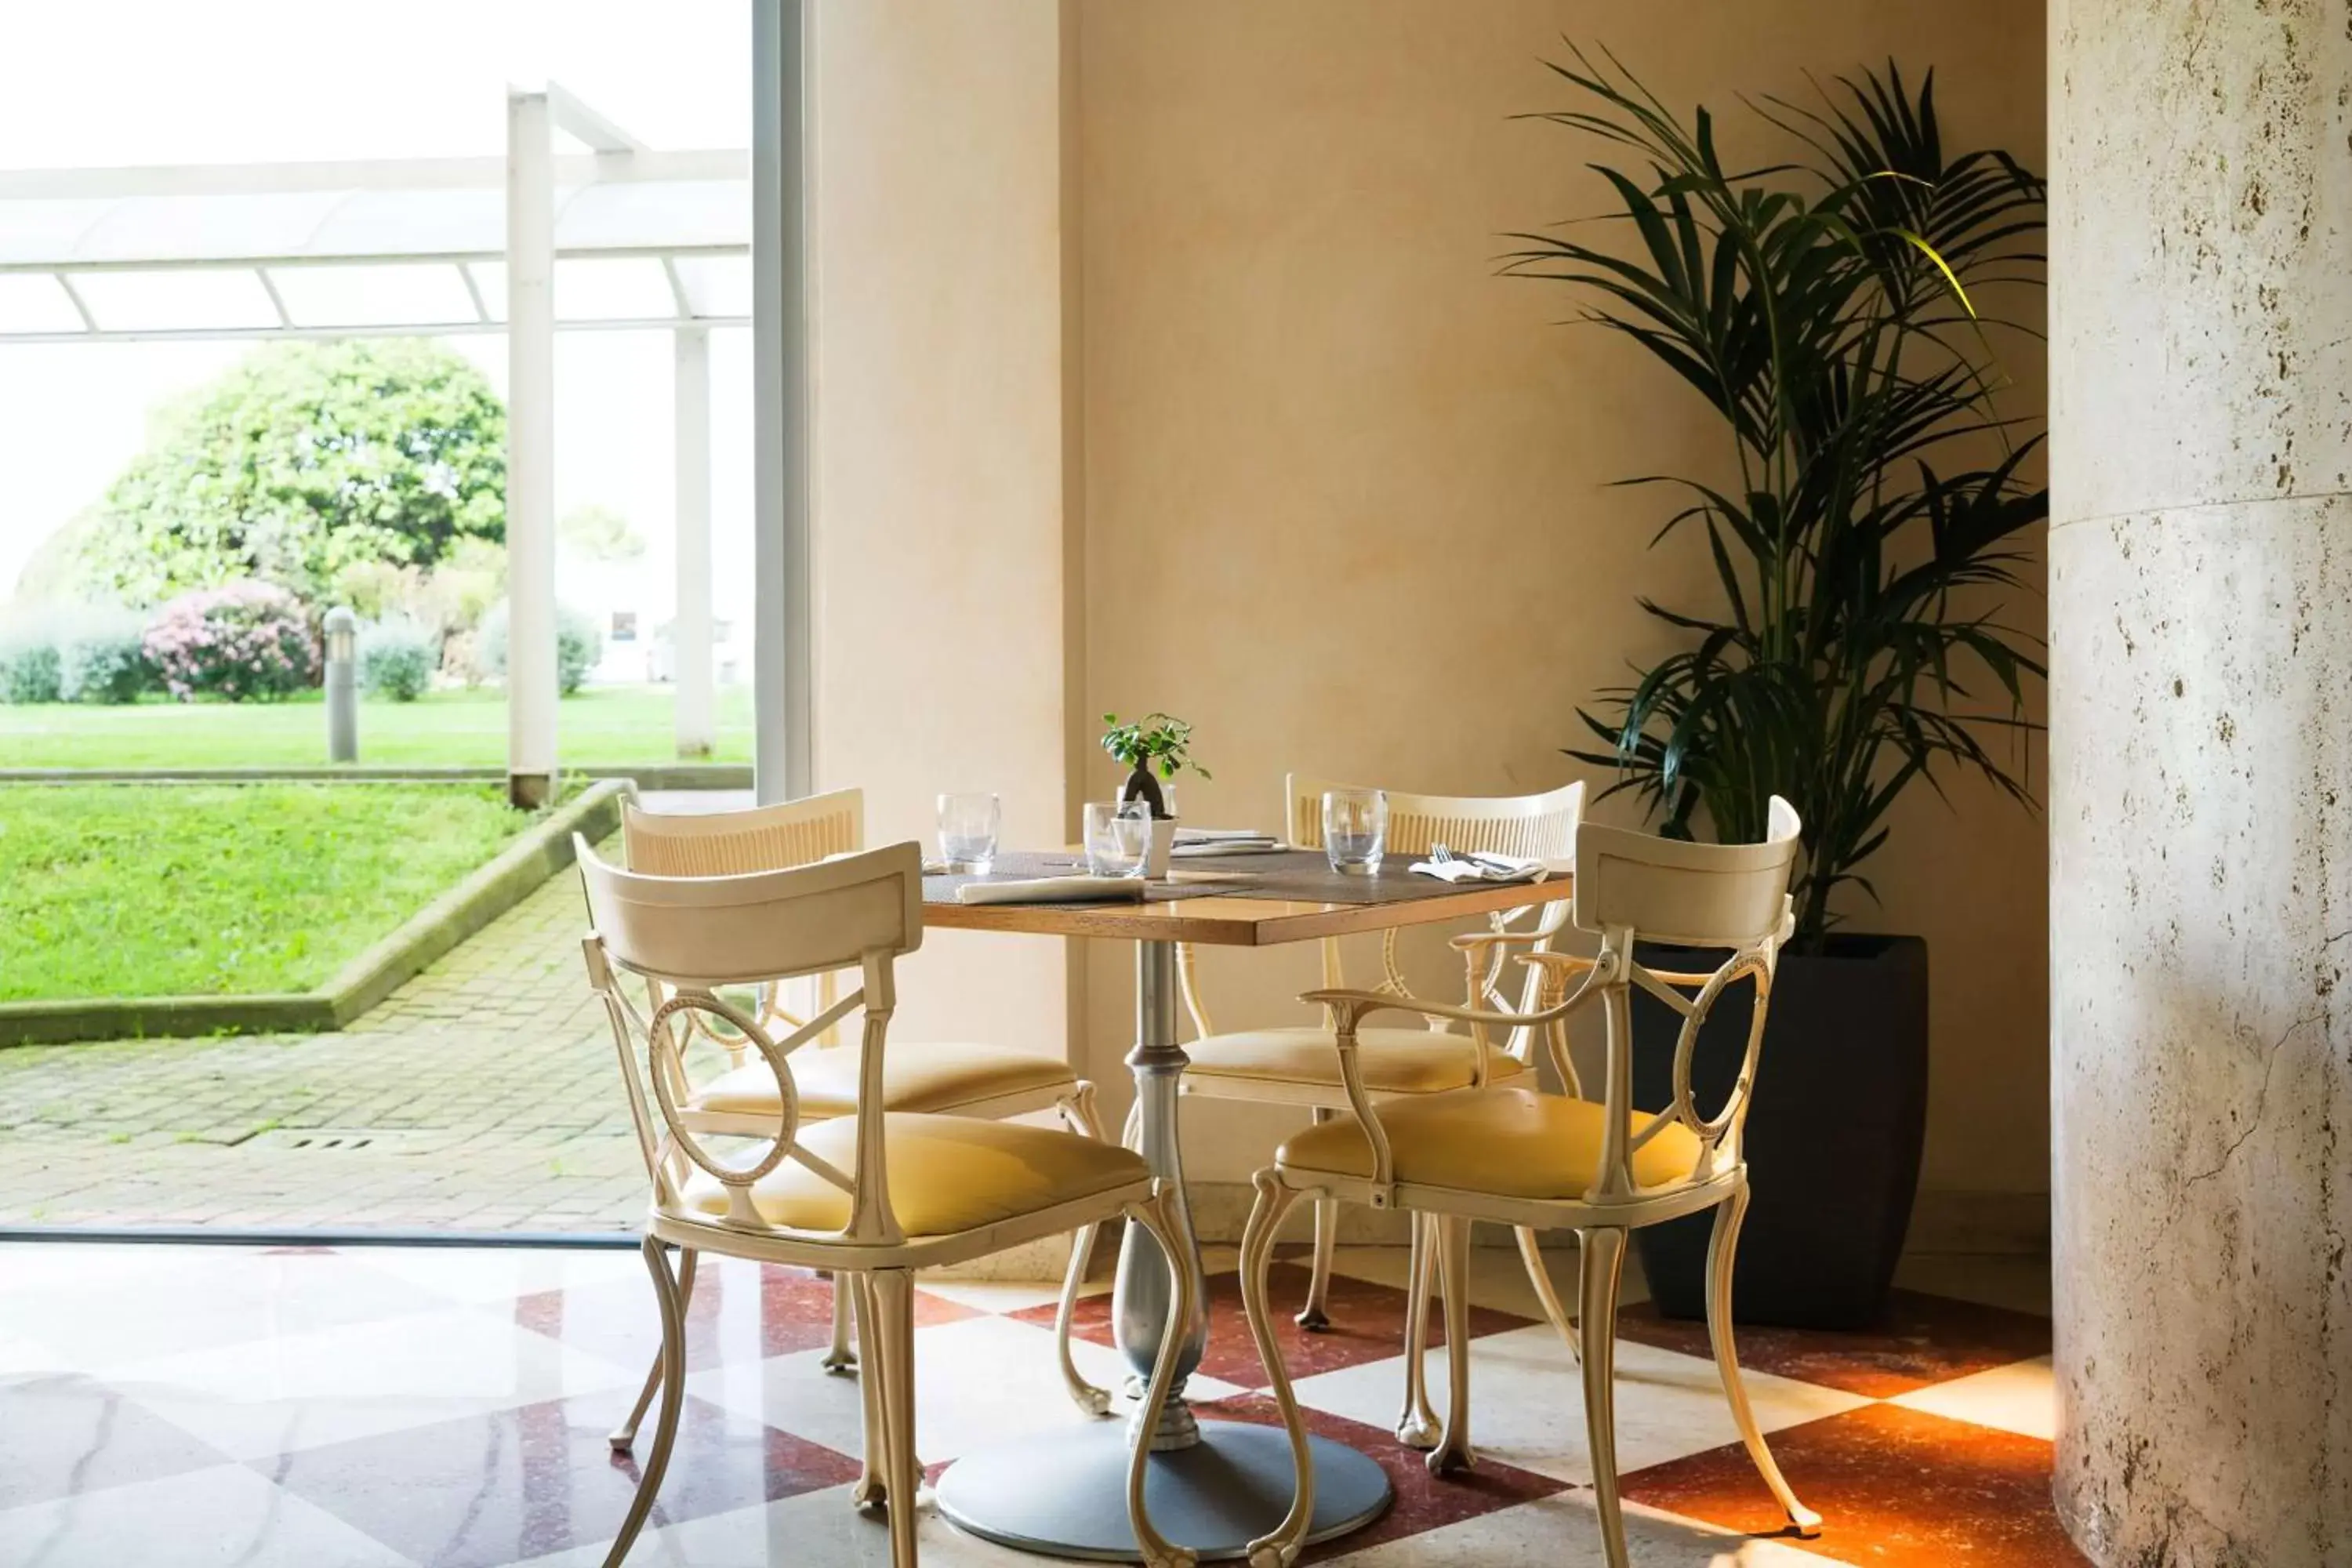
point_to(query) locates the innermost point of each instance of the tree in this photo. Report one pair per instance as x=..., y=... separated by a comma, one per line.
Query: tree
x=303, y=461
x=599, y=534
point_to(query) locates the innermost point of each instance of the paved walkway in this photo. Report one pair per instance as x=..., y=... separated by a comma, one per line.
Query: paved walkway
x=481, y=1096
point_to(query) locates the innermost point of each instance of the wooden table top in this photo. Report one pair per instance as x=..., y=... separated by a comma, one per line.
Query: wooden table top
x=1236, y=901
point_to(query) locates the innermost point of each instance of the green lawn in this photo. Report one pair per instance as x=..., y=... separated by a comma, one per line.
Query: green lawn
x=198, y=890
x=601, y=724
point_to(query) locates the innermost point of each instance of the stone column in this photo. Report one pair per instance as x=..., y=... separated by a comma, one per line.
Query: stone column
x=2201, y=823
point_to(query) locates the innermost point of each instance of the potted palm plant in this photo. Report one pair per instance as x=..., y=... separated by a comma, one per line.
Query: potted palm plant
x=1832, y=309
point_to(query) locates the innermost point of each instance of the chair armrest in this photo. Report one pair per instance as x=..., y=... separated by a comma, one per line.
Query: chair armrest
x=1357, y=1004
x=1572, y=963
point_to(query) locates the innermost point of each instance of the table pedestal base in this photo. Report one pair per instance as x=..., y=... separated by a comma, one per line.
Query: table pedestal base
x=1064, y=1493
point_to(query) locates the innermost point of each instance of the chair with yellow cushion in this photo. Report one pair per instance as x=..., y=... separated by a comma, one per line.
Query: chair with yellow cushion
x=946, y=1078
x=872, y=1195
x=1299, y=1066
x=1506, y=1155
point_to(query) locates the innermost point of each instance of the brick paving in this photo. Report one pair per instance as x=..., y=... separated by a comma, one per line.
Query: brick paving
x=481, y=1096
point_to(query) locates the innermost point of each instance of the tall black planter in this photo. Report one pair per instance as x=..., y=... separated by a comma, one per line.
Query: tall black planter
x=1833, y=1133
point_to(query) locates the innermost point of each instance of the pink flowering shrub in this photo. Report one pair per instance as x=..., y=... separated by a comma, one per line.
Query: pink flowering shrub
x=242, y=641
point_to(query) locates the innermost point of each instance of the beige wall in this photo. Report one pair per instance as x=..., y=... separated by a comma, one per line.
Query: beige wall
x=1191, y=304
x=1313, y=415
x=937, y=306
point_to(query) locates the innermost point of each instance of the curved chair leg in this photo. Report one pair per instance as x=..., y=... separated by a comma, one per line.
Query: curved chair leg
x=1531, y=1255
x=1079, y=1110
x=1417, y=1425
x=841, y=1357
x=623, y=1437
x=1313, y=1317
x=873, y=1487
x=1159, y=1218
x=673, y=1400
x=1279, y=1547
x=1453, y=1248
x=1601, y=1266
x=1720, y=1250
x=892, y=1354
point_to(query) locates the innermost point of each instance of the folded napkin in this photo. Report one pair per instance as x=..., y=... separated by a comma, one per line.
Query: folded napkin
x=1479, y=865
x=1050, y=891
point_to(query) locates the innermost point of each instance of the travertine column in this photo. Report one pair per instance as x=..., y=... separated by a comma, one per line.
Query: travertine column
x=2200, y=825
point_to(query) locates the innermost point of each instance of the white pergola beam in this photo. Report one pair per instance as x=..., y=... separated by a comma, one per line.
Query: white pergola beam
x=690, y=630
x=531, y=690
x=575, y=118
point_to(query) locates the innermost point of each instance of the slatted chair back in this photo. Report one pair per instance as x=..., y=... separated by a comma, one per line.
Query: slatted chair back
x=1541, y=826
x=762, y=839
x=1634, y=888
x=689, y=937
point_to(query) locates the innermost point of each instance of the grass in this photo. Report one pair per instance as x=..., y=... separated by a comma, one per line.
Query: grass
x=205, y=890
x=600, y=724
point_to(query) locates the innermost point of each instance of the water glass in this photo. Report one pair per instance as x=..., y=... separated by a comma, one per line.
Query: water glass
x=1118, y=837
x=968, y=824
x=1355, y=830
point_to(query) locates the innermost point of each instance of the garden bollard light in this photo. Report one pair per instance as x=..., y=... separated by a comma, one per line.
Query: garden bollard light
x=343, y=689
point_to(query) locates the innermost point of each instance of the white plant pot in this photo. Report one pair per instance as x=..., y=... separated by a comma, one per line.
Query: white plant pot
x=1164, y=844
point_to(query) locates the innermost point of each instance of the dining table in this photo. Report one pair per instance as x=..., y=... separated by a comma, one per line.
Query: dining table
x=1211, y=1486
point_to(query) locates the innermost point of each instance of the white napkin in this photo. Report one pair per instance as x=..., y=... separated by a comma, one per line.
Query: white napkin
x=1482, y=867
x=1050, y=891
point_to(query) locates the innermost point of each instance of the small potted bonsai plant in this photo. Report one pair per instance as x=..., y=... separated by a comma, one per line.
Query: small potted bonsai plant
x=1156, y=740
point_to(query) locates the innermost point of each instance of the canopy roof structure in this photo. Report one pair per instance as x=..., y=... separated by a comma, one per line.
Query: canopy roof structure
x=642, y=238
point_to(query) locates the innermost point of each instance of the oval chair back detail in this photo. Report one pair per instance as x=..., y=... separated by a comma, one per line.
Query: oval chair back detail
x=961, y=1078
x=871, y=1196
x=1297, y=1066
x=1505, y=1154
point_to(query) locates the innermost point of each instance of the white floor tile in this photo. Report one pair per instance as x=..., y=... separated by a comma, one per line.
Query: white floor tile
x=975, y=1381
x=2022, y=1398
x=1563, y=1531
x=303, y=1390
x=227, y=1517
x=198, y=1299
x=1498, y=1279
x=490, y=1274
x=1527, y=1402
x=816, y=1527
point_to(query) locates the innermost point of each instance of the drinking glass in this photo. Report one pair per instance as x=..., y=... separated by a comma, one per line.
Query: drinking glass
x=968, y=824
x=1119, y=837
x=1355, y=830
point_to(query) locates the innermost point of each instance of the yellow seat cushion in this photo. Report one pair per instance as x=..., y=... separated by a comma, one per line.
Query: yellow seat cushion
x=919, y=1076
x=948, y=1173
x=1393, y=1061
x=1509, y=1142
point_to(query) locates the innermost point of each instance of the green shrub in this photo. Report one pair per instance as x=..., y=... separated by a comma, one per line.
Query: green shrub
x=579, y=644
x=28, y=663
x=397, y=658
x=102, y=657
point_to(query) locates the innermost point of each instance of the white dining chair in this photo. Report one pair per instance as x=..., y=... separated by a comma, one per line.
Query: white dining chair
x=1296, y=1066
x=941, y=1078
x=1505, y=1154
x=871, y=1195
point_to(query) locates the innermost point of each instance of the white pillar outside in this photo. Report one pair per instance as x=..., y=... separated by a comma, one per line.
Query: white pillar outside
x=691, y=626
x=531, y=451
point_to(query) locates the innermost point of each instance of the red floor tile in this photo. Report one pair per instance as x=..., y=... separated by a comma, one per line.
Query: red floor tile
x=1367, y=1324
x=1924, y=1340
x=1895, y=1488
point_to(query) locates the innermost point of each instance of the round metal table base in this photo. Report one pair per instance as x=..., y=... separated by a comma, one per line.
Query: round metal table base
x=1064, y=1493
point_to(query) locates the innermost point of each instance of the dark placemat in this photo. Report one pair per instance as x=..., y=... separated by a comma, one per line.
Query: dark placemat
x=1304, y=876
x=1298, y=876
x=1022, y=865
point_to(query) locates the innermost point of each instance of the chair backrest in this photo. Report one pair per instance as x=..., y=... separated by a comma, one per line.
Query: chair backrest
x=1636, y=888
x=763, y=838
x=1538, y=826
x=686, y=936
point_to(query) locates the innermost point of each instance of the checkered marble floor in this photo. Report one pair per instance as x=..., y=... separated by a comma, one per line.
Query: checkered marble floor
x=316, y=1407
